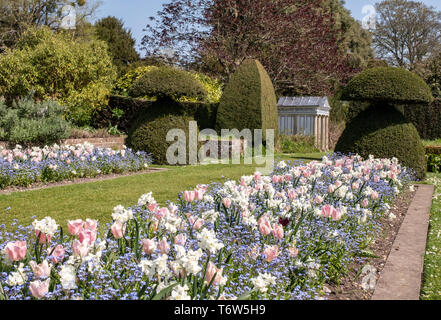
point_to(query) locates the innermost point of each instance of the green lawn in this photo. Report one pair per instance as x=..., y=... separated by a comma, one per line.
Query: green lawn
x=431, y=286
x=97, y=199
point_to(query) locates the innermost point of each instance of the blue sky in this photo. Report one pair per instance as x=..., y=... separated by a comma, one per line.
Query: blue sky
x=135, y=13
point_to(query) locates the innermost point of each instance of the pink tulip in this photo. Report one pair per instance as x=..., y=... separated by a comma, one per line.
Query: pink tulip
x=163, y=246
x=197, y=223
x=257, y=176
x=376, y=179
x=16, y=250
x=189, y=196
x=80, y=249
x=365, y=203
x=327, y=210
x=43, y=237
x=57, y=254
x=264, y=226
x=336, y=214
x=40, y=270
x=355, y=186
x=338, y=183
x=39, y=288
x=180, y=239
x=292, y=194
x=288, y=177
x=118, y=229
x=75, y=226
x=213, y=271
x=161, y=213
x=152, y=206
x=88, y=235
x=271, y=253
x=199, y=194
x=318, y=199
x=374, y=195
x=226, y=202
x=91, y=225
x=278, y=232
x=331, y=188
x=149, y=246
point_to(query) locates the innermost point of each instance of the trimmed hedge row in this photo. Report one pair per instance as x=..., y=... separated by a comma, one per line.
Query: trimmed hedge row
x=426, y=118
x=203, y=113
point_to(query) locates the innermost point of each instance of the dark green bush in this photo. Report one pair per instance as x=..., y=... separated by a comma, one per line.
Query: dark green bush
x=132, y=108
x=249, y=100
x=32, y=123
x=385, y=133
x=167, y=82
x=149, y=134
x=387, y=84
x=426, y=118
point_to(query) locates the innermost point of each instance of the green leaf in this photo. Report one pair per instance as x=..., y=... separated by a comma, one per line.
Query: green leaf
x=164, y=292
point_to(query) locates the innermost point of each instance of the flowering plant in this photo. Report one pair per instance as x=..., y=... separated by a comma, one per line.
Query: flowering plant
x=281, y=236
x=22, y=167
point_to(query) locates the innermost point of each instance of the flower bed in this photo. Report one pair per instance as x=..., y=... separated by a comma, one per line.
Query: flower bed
x=266, y=237
x=22, y=167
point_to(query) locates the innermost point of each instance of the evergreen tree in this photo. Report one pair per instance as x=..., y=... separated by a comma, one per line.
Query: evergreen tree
x=120, y=40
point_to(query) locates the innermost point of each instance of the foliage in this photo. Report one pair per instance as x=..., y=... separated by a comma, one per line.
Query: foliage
x=434, y=163
x=32, y=123
x=406, y=32
x=248, y=101
x=296, y=41
x=23, y=167
x=213, y=87
x=382, y=131
x=78, y=74
x=167, y=82
x=296, y=144
x=433, y=74
x=387, y=84
x=119, y=40
x=149, y=134
x=17, y=16
x=426, y=118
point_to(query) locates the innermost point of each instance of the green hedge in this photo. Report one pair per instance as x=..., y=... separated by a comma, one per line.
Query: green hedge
x=426, y=118
x=385, y=133
x=249, y=100
x=131, y=108
x=387, y=84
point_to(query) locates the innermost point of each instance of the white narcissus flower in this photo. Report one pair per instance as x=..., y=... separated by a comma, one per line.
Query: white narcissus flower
x=180, y=293
x=47, y=226
x=208, y=241
x=68, y=277
x=262, y=281
x=18, y=277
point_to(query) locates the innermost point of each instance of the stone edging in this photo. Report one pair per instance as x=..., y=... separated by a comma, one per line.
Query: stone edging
x=402, y=275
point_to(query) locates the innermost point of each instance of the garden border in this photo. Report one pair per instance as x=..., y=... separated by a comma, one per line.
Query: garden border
x=402, y=274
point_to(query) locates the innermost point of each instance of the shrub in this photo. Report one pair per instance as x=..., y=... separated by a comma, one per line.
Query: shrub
x=168, y=83
x=123, y=111
x=385, y=133
x=29, y=123
x=296, y=144
x=149, y=134
x=124, y=83
x=249, y=100
x=426, y=118
x=387, y=84
x=79, y=74
x=434, y=163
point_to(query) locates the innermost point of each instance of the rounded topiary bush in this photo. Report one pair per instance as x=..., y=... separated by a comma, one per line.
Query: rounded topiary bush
x=150, y=134
x=385, y=133
x=387, y=84
x=249, y=100
x=168, y=82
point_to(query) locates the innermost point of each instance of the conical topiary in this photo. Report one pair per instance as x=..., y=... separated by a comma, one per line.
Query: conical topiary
x=249, y=100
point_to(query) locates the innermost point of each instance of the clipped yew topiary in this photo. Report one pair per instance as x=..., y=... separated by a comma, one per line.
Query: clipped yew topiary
x=249, y=100
x=149, y=134
x=387, y=85
x=168, y=83
x=385, y=133
x=382, y=130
